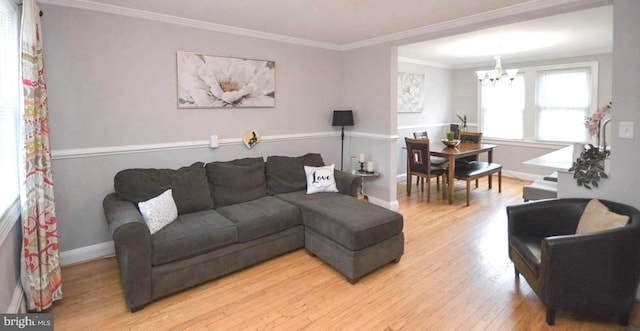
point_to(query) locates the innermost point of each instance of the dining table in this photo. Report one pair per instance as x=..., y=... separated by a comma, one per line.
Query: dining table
x=464, y=149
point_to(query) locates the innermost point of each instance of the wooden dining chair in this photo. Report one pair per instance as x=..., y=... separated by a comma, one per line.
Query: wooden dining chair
x=469, y=137
x=473, y=137
x=421, y=135
x=419, y=164
x=435, y=160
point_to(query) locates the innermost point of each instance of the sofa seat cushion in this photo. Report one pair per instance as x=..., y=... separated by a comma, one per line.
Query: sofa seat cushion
x=352, y=223
x=192, y=234
x=262, y=217
x=528, y=247
x=236, y=181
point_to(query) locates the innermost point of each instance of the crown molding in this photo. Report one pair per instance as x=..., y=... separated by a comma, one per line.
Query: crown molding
x=501, y=13
x=151, y=16
x=411, y=60
x=496, y=14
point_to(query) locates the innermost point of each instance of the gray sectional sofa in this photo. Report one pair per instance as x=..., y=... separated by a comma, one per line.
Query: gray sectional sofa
x=235, y=214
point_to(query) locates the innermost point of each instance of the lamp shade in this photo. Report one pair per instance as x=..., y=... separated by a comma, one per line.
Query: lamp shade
x=342, y=118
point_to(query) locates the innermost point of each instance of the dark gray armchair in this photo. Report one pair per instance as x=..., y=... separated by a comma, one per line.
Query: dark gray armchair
x=596, y=273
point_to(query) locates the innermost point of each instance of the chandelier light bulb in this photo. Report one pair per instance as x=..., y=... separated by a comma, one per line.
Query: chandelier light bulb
x=498, y=72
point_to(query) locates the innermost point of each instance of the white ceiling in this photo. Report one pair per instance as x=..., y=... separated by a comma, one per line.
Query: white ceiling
x=582, y=32
x=338, y=22
x=347, y=24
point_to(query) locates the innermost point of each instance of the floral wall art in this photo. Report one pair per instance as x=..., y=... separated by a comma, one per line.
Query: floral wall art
x=410, y=92
x=206, y=81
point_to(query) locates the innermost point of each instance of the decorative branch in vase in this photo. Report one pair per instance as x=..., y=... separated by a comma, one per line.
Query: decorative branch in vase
x=588, y=168
x=463, y=122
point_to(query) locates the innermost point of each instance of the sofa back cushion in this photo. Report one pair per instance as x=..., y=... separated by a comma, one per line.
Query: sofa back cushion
x=236, y=181
x=189, y=186
x=286, y=174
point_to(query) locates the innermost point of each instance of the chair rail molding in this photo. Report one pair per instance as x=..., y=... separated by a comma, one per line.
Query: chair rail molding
x=74, y=153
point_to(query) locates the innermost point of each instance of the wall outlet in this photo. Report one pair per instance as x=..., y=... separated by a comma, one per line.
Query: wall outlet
x=213, y=141
x=626, y=130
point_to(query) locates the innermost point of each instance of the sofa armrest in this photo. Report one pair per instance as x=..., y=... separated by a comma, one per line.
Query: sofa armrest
x=347, y=183
x=132, y=241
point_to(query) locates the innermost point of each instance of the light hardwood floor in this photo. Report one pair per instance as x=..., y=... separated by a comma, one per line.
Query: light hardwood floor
x=455, y=275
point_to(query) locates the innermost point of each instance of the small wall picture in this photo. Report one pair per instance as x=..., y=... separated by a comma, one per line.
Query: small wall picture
x=207, y=81
x=251, y=139
x=410, y=92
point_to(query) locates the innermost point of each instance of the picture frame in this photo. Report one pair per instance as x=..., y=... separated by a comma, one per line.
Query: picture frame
x=209, y=81
x=410, y=92
x=251, y=139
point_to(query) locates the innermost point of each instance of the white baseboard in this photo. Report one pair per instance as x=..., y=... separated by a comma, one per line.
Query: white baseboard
x=521, y=175
x=17, y=301
x=393, y=205
x=87, y=253
x=506, y=173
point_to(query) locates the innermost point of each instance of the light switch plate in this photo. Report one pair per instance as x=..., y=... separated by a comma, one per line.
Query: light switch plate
x=213, y=141
x=626, y=130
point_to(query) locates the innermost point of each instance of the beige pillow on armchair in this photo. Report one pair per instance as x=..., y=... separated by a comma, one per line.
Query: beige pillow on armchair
x=597, y=217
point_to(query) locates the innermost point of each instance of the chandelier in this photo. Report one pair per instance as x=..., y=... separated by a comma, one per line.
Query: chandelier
x=493, y=76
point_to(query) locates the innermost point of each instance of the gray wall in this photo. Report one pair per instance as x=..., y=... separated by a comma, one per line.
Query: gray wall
x=511, y=156
x=623, y=182
x=437, y=112
x=112, y=83
x=369, y=87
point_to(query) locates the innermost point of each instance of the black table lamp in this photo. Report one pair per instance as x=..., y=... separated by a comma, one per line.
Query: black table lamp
x=342, y=118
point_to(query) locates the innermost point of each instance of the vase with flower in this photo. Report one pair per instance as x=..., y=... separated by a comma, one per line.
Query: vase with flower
x=588, y=168
x=594, y=123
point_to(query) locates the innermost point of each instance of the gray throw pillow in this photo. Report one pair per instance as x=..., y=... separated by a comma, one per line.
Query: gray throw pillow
x=189, y=186
x=286, y=174
x=236, y=181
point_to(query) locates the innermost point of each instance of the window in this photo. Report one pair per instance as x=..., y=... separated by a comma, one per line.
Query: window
x=503, y=109
x=543, y=104
x=9, y=100
x=562, y=102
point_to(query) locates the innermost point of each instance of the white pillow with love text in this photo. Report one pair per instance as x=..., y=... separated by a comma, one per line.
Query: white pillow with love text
x=320, y=179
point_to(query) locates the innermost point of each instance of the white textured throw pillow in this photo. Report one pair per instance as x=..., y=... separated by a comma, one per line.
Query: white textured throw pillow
x=159, y=212
x=320, y=179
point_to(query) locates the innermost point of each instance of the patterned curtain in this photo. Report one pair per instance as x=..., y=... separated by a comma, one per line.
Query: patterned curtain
x=41, y=275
